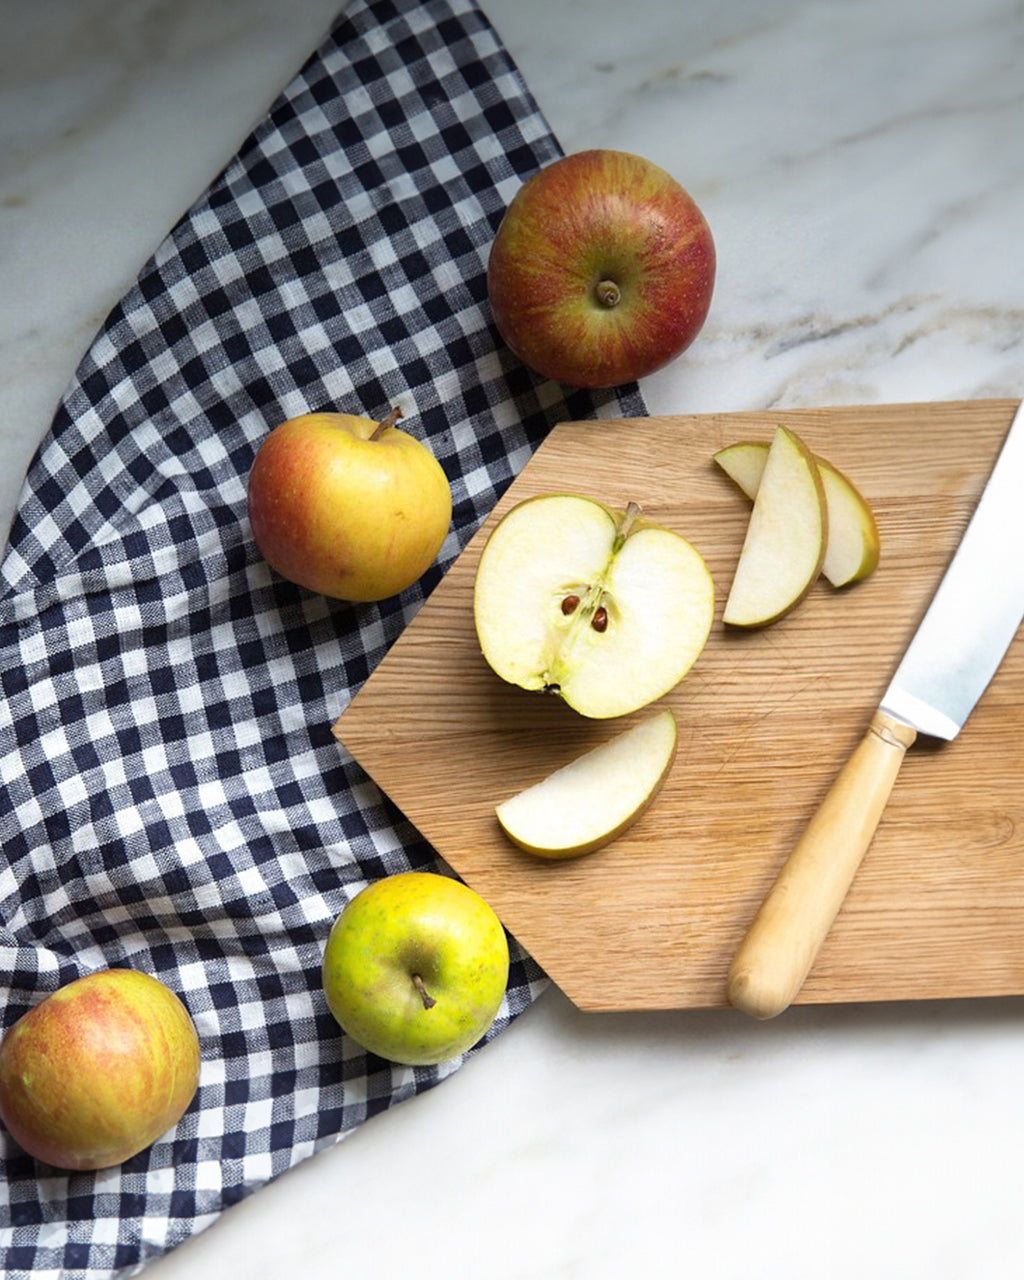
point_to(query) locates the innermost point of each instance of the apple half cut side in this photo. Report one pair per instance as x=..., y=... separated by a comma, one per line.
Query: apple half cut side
x=595, y=605
x=784, y=546
x=853, y=546
x=590, y=801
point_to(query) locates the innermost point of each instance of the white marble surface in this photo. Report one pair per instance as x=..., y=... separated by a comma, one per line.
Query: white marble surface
x=862, y=166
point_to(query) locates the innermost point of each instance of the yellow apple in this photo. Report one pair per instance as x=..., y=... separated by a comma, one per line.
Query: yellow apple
x=590, y=801
x=596, y=605
x=786, y=536
x=347, y=507
x=853, y=546
x=416, y=967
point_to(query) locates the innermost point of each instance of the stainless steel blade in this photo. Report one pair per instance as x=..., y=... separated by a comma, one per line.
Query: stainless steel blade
x=976, y=610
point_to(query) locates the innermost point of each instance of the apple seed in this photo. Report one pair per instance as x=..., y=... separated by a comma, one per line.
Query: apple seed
x=600, y=619
x=570, y=604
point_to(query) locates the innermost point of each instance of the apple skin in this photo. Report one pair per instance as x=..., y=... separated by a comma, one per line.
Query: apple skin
x=853, y=547
x=552, y=547
x=425, y=924
x=786, y=538
x=344, y=515
x=598, y=796
x=98, y=1070
x=588, y=220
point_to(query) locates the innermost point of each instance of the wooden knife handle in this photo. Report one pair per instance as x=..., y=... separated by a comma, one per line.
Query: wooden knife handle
x=781, y=945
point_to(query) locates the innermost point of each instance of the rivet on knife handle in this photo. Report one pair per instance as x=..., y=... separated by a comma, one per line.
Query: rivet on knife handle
x=781, y=945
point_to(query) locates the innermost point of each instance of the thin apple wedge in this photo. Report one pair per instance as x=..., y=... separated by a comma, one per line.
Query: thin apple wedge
x=853, y=542
x=588, y=802
x=600, y=607
x=852, y=549
x=786, y=537
x=743, y=462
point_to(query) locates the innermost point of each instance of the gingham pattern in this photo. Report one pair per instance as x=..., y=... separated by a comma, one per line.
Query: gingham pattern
x=171, y=797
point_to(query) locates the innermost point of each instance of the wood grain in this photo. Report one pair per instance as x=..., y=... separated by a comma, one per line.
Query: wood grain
x=766, y=720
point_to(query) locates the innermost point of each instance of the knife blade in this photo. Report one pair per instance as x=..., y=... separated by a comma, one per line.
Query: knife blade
x=966, y=630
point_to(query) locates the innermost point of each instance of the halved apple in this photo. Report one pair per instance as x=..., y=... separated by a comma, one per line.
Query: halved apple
x=786, y=537
x=598, y=606
x=853, y=546
x=588, y=802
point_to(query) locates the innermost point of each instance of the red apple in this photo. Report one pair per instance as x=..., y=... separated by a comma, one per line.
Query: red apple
x=347, y=507
x=601, y=271
x=98, y=1070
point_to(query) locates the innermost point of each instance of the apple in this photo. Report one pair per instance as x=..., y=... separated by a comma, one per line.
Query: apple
x=852, y=550
x=350, y=508
x=785, y=541
x=416, y=967
x=594, y=604
x=589, y=802
x=601, y=271
x=98, y=1070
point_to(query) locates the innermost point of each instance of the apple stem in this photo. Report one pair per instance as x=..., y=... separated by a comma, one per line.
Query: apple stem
x=387, y=422
x=425, y=996
x=628, y=520
x=607, y=293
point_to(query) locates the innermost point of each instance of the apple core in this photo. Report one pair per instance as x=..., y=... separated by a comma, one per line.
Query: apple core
x=594, y=604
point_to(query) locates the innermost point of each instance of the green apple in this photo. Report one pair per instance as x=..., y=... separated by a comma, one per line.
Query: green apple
x=590, y=801
x=98, y=1070
x=416, y=967
x=785, y=541
x=596, y=605
x=852, y=549
x=347, y=507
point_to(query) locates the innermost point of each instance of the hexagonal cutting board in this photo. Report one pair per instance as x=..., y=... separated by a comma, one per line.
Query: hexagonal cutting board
x=765, y=721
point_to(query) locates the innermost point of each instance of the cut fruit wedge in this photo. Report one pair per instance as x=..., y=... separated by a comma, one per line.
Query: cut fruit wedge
x=852, y=549
x=598, y=606
x=786, y=537
x=587, y=803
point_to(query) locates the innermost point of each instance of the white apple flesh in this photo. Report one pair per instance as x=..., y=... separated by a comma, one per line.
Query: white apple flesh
x=786, y=536
x=853, y=546
x=592, y=800
x=597, y=606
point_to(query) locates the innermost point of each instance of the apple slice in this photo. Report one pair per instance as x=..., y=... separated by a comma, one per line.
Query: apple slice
x=595, y=605
x=587, y=803
x=743, y=462
x=852, y=550
x=785, y=541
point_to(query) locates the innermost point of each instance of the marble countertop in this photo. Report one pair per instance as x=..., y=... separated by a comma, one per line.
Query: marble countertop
x=862, y=167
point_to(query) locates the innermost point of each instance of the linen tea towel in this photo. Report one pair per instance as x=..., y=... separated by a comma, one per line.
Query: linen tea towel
x=171, y=797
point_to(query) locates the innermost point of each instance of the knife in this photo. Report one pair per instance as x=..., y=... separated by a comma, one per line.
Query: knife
x=968, y=627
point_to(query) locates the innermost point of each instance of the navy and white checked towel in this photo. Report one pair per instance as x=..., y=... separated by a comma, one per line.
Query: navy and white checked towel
x=171, y=797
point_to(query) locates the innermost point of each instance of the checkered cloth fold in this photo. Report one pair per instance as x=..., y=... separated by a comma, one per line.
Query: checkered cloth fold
x=171, y=798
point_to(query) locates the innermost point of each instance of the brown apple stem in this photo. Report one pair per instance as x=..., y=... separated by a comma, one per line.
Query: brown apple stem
x=628, y=520
x=425, y=996
x=387, y=422
x=607, y=293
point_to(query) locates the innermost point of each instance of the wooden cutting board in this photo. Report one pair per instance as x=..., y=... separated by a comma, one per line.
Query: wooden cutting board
x=765, y=718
